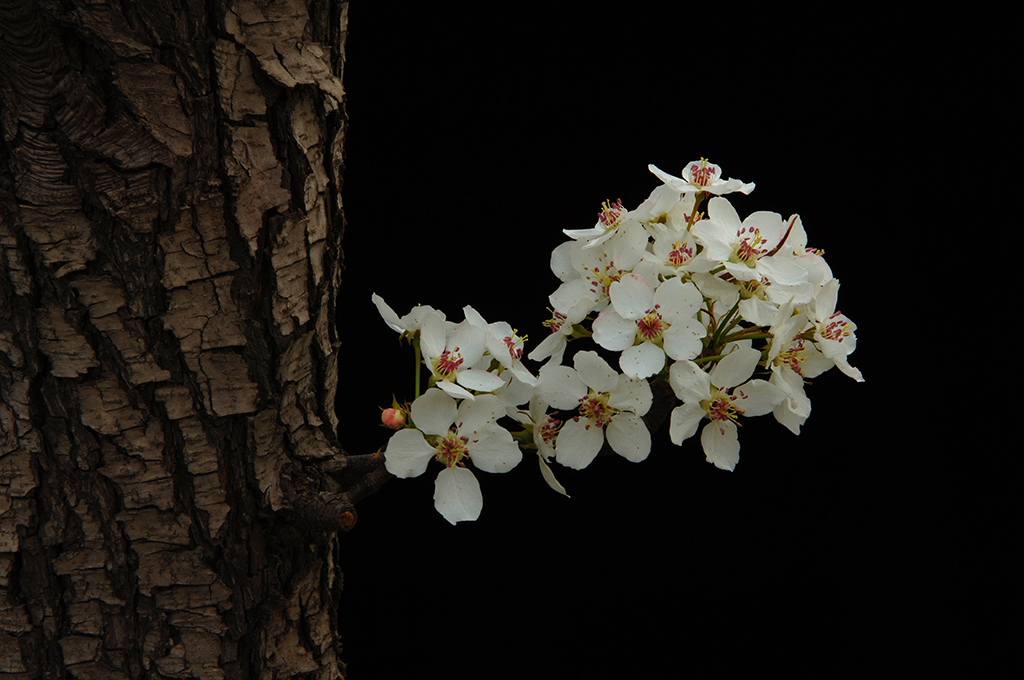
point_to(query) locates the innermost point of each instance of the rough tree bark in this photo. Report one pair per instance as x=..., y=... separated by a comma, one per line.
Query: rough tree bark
x=171, y=484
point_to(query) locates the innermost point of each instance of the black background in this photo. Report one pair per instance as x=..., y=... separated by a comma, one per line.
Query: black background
x=477, y=133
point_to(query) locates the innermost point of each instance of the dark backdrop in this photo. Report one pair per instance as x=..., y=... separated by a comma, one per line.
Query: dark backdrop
x=475, y=137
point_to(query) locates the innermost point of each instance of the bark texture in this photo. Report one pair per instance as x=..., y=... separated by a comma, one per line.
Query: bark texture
x=171, y=483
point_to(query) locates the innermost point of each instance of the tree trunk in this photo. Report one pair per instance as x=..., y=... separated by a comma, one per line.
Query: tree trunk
x=171, y=485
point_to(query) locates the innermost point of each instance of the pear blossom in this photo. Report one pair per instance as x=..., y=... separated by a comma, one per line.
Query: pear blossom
x=503, y=344
x=408, y=324
x=545, y=428
x=720, y=398
x=611, y=217
x=834, y=332
x=609, y=405
x=597, y=268
x=453, y=433
x=747, y=249
x=646, y=324
x=702, y=176
x=675, y=252
x=665, y=208
x=454, y=357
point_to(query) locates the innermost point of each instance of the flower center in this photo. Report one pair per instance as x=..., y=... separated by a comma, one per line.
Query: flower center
x=451, y=448
x=793, y=357
x=753, y=288
x=555, y=322
x=722, y=406
x=602, y=279
x=837, y=329
x=749, y=248
x=611, y=214
x=594, y=407
x=681, y=253
x=549, y=428
x=515, y=345
x=651, y=326
x=448, y=363
x=703, y=174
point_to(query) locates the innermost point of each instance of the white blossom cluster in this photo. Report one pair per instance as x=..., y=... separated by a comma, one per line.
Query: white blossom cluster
x=734, y=314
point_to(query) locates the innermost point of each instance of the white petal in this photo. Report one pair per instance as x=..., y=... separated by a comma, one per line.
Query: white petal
x=631, y=395
x=457, y=495
x=642, y=361
x=479, y=415
x=470, y=342
x=632, y=296
x=677, y=300
x=689, y=381
x=684, y=421
x=550, y=346
x=629, y=437
x=757, y=397
x=388, y=314
x=481, y=381
x=735, y=368
x=595, y=371
x=495, y=451
x=432, y=335
x=721, y=445
x=781, y=270
x=578, y=444
x=549, y=477
x=613, y=332
x=561, y=386
x=407, y=453
x=683, y=339
x=454, y=390
x=433, y=412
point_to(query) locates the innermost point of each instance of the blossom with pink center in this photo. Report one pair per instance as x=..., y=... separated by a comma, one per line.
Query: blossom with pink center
x=719, y=398
x=608, y=405
x=453, y=353
x=503, y=344
x=834, y=332
x=675, y=252
x=702, y=176
x=748, y=249
x=453, y=434
x=647, y=324
x=792, y=359
x=611, y=217
x=545, y=427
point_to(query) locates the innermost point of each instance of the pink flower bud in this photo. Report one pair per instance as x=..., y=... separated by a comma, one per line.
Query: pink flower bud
x=393, y=418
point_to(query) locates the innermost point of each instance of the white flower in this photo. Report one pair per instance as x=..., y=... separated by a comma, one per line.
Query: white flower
x=410, y=323
x=719, y=397
x=453, y=358
x=503, y=344
x=674, y=252
x=646, y=324
x=834, y=332
x=453, y=434
x=596, y=269
x=545, y=430
x=747, y=249
x=702, y=176
x=611, y=217
x=665, y=208
x=609, y=404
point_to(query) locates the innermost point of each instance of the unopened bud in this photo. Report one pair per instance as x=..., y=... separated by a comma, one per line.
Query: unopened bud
x=393, y=418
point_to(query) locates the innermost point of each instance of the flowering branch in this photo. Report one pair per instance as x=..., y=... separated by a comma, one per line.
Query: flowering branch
x=643, y=285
